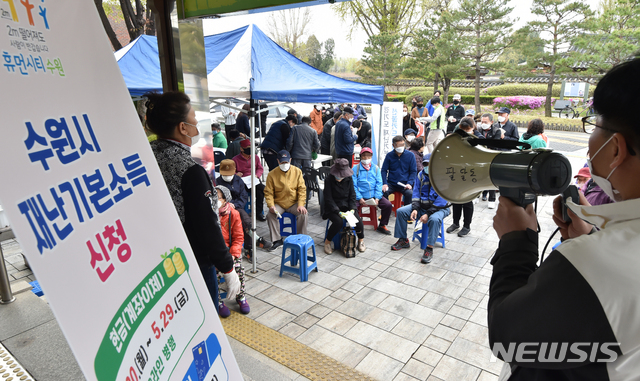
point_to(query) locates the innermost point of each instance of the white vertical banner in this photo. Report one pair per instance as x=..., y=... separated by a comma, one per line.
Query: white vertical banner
x=388, y=118
x=90, y=208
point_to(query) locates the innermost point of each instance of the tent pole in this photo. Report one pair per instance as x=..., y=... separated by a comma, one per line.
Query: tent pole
x=252, y=114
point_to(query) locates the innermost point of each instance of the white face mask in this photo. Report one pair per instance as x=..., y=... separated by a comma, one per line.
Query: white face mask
x=603, y=183
x=366, y=162
x=410, y=138
x=284, y=167
x=405, y=113
x=219, y=204
x=485, y=126
x=227, y=178
x=196, y=137
x=399, y=149
x=501, y=119
x=350, y=120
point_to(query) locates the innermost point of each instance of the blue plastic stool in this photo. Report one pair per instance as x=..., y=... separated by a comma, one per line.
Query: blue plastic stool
x=423, y=234
x=336, y=238
x=293, y=225
x=299, y=245
x=247, y=206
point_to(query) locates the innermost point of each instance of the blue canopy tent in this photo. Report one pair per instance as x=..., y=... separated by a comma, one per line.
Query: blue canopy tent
x=246, y=63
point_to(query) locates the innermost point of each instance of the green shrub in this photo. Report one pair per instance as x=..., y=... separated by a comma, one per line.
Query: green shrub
x=466, y=99
x=533, y=89
x=452, y=90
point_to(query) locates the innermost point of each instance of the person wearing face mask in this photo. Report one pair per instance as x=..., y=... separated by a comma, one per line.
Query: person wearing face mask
x=344, y=136
x=325, y=141
x=586, y=290
x=427, y=206
x=243, y=169
x=399, y=171
x=436, y=123
x=234, y=148
x=340, y=196
x=285, y=192
x=454, y=113
x=510, y=130
x=419, y=111
x=231, y=227
x=408, y=123
x=316, y=119
x=367, y=181
x=490, y=131
x=429, y=106
x=171, y=117
x=416, y=147
x=219, y=141
x=302, y=142
x=364, y=130
x=409, y=136
x=238, y=189
x=466, y=127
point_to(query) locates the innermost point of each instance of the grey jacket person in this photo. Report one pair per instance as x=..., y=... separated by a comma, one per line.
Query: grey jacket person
x=302, y=141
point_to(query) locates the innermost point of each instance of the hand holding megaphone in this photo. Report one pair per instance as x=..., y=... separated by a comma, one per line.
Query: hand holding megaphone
x=460, y=169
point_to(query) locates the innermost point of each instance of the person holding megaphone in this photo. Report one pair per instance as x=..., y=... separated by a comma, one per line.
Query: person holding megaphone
x=578, y=312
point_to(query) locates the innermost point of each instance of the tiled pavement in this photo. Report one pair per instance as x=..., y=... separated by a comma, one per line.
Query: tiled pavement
x=383, y=312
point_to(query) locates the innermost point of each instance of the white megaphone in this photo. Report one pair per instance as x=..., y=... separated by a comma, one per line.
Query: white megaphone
x=460, y=169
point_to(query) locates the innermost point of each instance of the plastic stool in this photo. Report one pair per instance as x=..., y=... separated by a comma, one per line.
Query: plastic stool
x=299, y=245
x=355, y=159
x=293, y=225
x=372, y=216
x=423, y=234
x=396, y=202
x=336, y=239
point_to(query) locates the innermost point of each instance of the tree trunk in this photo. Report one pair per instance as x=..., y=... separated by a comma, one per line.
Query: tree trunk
x=436, y=82
x=547, y=106
x=107, y=26
x=150, y=25
x=477, y=85
x=446, y=83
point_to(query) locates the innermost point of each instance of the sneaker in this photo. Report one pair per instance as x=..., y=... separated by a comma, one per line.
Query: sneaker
x=244, y=306
x=428, y=254
x=328, y=249
x=475, y=200
x=383, y=230
x=223, y=310
x=248, y=255
x=492, y=205
x=263, y=243
x=484, y=198
x=403, y=243
x=361, y=247
x=261, y=217
x=464, y=231
x=276, y=245
x=453, y=228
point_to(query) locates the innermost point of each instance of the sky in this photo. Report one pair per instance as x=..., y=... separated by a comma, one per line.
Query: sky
x=325, y=24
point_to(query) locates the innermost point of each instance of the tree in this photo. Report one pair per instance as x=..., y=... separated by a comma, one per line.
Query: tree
x=559, y=21
x=327, y=56
x=288, y=27
x=314, y=52
x=437, y=51
x=137, y=16
x=485, y=26
x=381, y=62
x=612, y=37
x=385, y=17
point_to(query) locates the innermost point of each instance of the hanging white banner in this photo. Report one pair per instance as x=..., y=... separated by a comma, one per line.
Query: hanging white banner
x=90, y=208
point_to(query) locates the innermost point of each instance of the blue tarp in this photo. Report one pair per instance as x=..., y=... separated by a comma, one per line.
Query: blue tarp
x=272, y=74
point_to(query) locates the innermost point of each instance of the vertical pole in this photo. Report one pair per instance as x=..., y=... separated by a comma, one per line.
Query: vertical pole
x=252, y=113
x=6, y=296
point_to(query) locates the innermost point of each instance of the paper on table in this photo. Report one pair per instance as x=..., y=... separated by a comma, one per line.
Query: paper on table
x=247, y=181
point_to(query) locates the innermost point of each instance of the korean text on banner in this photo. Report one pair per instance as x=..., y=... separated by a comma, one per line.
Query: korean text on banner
x=90, y=208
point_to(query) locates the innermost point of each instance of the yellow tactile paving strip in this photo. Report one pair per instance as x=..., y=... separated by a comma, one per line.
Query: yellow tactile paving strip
x=288, y=352
x=10, y=369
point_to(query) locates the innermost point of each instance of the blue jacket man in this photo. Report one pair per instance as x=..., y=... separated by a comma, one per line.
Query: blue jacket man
x=275, y=141
x=367, y=181
x=344, y=137
x=399, y=166
x=426, y=205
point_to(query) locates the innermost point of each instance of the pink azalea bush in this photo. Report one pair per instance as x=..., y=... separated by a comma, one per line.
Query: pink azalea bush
x=519, y=102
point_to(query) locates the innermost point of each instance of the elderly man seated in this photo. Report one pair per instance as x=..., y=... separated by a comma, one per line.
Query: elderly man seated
x=399, y=171
x=426, y=205
x=285, y=192
x=367, y=181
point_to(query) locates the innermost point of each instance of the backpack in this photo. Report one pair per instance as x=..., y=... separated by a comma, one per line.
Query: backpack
x=348, y=242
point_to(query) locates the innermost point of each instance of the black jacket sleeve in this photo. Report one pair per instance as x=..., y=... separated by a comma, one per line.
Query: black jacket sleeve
x=330, y=205
x=551, y=304
x=352, y=196
x=201, y=222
